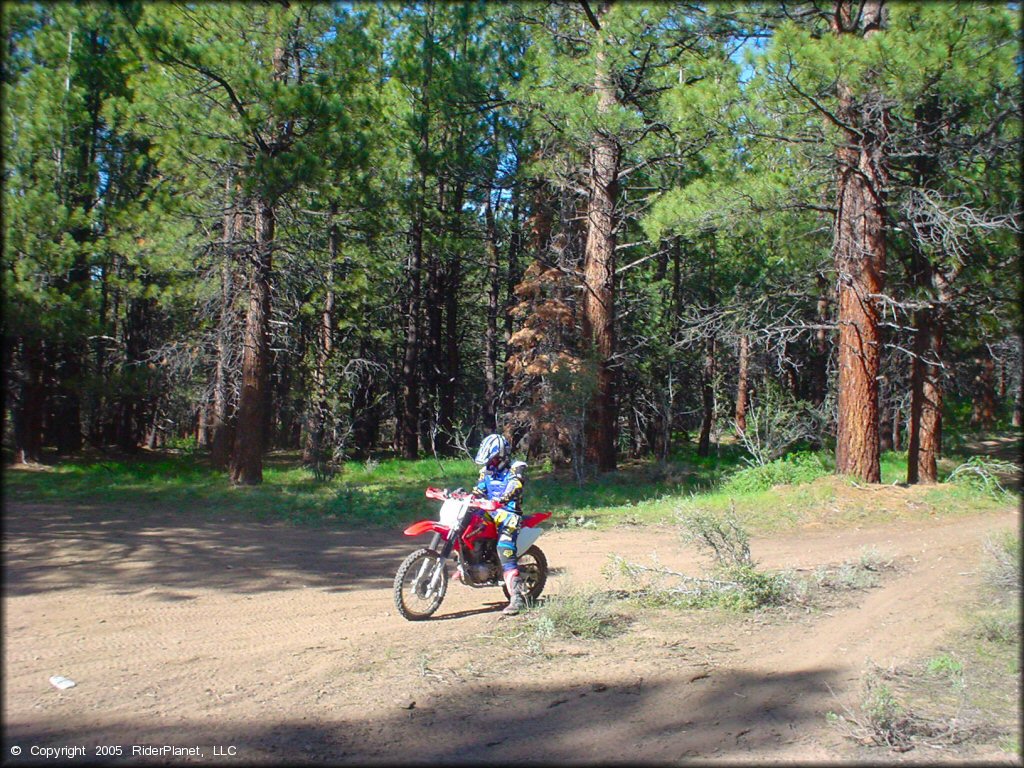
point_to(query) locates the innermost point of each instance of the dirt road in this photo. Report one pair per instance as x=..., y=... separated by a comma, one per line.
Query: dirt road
x=270, y=643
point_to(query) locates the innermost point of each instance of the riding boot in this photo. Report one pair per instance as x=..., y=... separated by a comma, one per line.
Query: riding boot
x=516, y=601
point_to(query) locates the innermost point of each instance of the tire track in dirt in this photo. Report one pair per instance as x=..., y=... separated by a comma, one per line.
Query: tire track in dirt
x=299, y=663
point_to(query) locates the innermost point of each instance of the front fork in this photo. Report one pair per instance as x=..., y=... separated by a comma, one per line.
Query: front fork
x=437, y=572
x=444, y=548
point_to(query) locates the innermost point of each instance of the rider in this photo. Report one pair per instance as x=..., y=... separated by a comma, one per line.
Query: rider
x=503, y=482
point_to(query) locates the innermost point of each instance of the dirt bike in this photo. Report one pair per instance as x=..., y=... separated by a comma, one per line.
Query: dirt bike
x=462, y=532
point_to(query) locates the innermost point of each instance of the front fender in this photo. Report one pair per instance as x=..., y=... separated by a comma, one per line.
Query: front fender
x=426, y=526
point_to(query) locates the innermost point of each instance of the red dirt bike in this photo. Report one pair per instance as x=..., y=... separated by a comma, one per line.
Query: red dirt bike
x=466, y=535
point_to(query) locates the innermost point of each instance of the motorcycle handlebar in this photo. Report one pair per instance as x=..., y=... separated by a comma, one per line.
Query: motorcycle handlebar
x=443, y=494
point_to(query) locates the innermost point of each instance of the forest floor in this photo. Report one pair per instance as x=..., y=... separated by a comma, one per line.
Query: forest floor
x=274, y=643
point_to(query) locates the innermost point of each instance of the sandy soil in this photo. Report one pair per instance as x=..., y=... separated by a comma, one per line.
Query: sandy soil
x=270, y=643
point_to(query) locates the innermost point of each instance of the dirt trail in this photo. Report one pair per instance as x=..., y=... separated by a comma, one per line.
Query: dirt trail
x=186, y=630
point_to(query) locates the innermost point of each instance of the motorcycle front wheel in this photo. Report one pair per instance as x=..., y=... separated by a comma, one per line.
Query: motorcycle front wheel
x=420, y=585
x=533, y=570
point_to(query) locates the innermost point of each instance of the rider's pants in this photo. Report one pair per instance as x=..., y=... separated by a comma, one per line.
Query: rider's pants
x=508, y=531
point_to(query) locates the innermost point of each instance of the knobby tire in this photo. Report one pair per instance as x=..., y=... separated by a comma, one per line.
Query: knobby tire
x=406, y=593
x=537, y=570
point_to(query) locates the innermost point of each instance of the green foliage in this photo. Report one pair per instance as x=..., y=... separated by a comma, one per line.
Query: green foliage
x=724, y=538
x=584, y=614
x=733, y=582
x=792, y=469
x=883, y=712
x=982, y=474
x=1001, y=627
x=945, y=665
x=756, y=589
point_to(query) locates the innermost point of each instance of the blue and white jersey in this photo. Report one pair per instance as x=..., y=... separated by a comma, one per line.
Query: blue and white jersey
x=502, y=486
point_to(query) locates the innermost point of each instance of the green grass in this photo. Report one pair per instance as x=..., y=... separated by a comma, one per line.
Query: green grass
x=797, y=489
x=385, y=493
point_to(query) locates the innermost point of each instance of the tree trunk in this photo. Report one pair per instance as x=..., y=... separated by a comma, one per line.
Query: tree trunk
x=450, y=385
x=447, y=364
x=135, y=331
x=1018, y=404
x=318, y=411
x=365, y=410
x=202, y=429
x=28, y=410
x=983, y=414
x=490, y=406
x=599, y=275
x=924, y=441
x=250, y=439
x=887, y=415
x=512, y=279
x=67, y=401
x=819, y=359
x=221, y=422
x=707, y=398
x=410, y=361
x=433, y=373
x=742, y=394
x=859, y=254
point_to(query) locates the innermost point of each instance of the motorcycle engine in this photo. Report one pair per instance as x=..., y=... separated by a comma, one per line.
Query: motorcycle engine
x=480, y=572
x=479, y=563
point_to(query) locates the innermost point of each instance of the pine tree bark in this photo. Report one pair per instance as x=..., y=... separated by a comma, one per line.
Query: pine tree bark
x=318, y=411
x=512, y=278
x=707, y=398
x=221, y=426
x=30, y=404
x=983, y=412
x=365, y=409
x=924, y=439
x=859, y=254
x=136, y=331
x=490, y=405
x=450, y=386
x=742, y=393
x=599, y=274
x=819, y=360
x=251, y=439
x=410, y=361
x=433, y=373
x=887, y=415
x=448, y=362
x=1018, y=404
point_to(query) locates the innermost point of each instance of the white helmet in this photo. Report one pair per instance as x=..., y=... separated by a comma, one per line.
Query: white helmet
x=492, y=446
x=518, y=468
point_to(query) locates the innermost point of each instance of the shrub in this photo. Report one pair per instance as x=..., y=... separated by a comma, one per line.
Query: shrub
x=982, y=474
x=1002, y=627
x=584, y=614
x=756, y=589
x=723, y=537
x=779, y=422
x=733, y=581
x=945, y=665
x=1004, y=566
x=793, y=469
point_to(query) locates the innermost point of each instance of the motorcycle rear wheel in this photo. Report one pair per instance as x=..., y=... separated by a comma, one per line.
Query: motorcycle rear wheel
x=414, y=598
x=533, y=570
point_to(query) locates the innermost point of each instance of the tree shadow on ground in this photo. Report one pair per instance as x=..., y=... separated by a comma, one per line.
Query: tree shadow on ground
x=680, y=717
x=124, y=549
